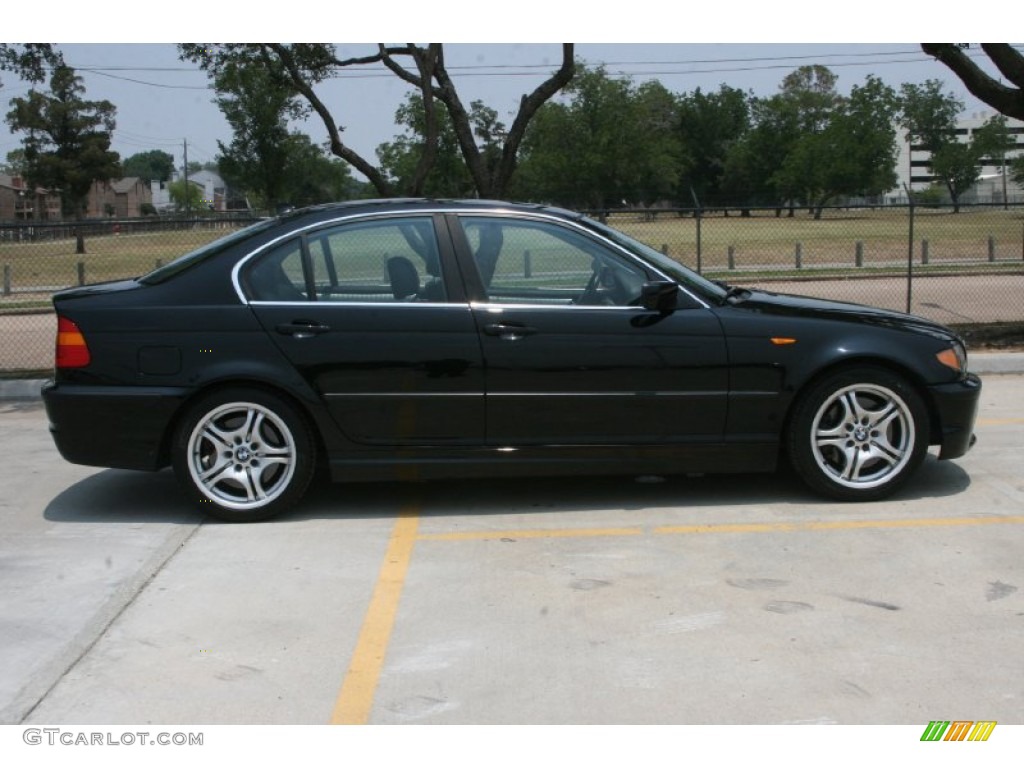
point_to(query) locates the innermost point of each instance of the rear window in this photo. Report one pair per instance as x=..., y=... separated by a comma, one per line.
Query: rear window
x=192, y=258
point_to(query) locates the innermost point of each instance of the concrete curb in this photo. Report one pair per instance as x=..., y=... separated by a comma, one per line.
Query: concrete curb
x=996, y=362
x=21, y=389
x=982, y=363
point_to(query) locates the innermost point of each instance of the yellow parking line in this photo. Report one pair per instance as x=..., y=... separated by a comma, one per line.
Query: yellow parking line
x=531, y=534
x=838, y=525
x=355, y=700
x=664, y=530
x=356, y=697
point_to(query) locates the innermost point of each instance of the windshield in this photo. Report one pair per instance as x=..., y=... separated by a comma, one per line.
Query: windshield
x=182, y=263
x=685, y=276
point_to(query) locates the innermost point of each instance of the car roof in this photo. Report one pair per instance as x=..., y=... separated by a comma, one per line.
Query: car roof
x=385, y=205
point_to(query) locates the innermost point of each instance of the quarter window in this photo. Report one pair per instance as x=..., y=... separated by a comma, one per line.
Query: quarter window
x=278, y=274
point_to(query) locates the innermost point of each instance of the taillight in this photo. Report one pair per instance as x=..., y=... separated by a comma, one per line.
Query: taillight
x=72, y=351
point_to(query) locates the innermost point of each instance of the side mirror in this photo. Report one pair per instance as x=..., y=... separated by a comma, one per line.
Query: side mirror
x=658, y=295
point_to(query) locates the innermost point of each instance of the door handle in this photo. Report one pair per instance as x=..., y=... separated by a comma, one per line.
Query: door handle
x=511, y=331
x=302, y=329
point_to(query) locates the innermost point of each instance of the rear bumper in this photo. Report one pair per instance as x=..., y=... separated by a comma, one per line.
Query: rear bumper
x=118, y=427
x=956, y=406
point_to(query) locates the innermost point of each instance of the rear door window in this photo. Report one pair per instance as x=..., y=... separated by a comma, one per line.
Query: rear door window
x=380, y=261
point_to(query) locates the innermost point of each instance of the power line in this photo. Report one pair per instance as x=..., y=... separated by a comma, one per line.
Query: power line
x=143, y=82
x=659, y=62
x=756, y=63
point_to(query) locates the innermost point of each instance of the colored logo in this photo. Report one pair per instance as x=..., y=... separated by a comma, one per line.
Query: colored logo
x=958, y=730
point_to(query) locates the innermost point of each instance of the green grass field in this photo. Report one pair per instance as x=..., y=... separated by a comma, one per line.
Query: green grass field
x=107, y=257
x=764, y=241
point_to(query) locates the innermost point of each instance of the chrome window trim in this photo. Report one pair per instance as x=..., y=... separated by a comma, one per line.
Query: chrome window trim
x=240, y=264
x=586, y=232
x=496, y=212
x=325, y=304
x=404, y=395
x=498, y=307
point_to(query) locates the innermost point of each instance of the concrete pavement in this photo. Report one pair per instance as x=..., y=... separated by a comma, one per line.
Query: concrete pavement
x=726, y=600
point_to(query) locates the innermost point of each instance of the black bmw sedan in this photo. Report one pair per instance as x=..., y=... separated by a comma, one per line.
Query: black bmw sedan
x=414, y=339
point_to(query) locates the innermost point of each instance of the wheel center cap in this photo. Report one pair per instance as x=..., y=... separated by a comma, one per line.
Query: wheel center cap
x=243, y=454
x=860, y=434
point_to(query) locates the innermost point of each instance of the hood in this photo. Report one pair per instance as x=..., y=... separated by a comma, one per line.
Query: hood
x=806, y=306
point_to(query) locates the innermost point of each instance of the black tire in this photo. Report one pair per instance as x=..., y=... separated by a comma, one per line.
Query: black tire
x=244, y=454
x=858, y=434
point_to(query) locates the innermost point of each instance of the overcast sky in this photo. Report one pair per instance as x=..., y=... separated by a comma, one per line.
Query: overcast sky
x=162, y=102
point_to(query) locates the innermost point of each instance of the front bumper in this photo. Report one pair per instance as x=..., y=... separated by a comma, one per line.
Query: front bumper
x=956, y=407
x=117, y=427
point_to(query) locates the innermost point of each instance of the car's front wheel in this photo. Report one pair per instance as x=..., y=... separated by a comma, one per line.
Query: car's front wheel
x=858, y=434
x=244, y=454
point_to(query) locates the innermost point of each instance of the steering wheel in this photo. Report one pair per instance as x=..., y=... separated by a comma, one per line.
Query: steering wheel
x=590, y=293
x=602, y=290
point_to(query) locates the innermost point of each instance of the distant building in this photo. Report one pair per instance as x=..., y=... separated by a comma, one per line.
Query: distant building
x=995, y=186
x=160, y=196
x=120, y=199
x=214, y=192
x=20, y=203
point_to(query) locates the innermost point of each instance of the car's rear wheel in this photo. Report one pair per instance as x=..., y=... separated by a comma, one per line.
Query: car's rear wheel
x=858, y=434
x=244, y=454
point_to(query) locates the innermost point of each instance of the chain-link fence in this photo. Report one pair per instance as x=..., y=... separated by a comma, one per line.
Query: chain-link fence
x=39, y=258
x=964, y=269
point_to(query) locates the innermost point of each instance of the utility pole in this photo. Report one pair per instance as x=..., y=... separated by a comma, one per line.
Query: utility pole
x=1006, y=203
x=188, y=196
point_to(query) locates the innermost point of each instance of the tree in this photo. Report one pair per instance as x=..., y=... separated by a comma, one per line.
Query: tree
x=958, y=164
x=67, y=142
x=30, y=61
x=309, y=176
x=315, y=176
x=589, y=152
x=1016, y=169
x=811, y=90
x=808, y=97
x=929, y=116
x=154, y=165
x=709, y=125
x=808, y=144
x=753, y=161
x=849, y=150
x=423, y=67
x=659, y=156
x=186, y=196
x=16, y=164
x=266, y=160
x=1008, y=60
x=762, y=168
x=399, y=159
x=257, y=103
x=997, y=133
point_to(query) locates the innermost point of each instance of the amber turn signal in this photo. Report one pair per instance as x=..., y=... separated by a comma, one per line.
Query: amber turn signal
x=951, y=359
